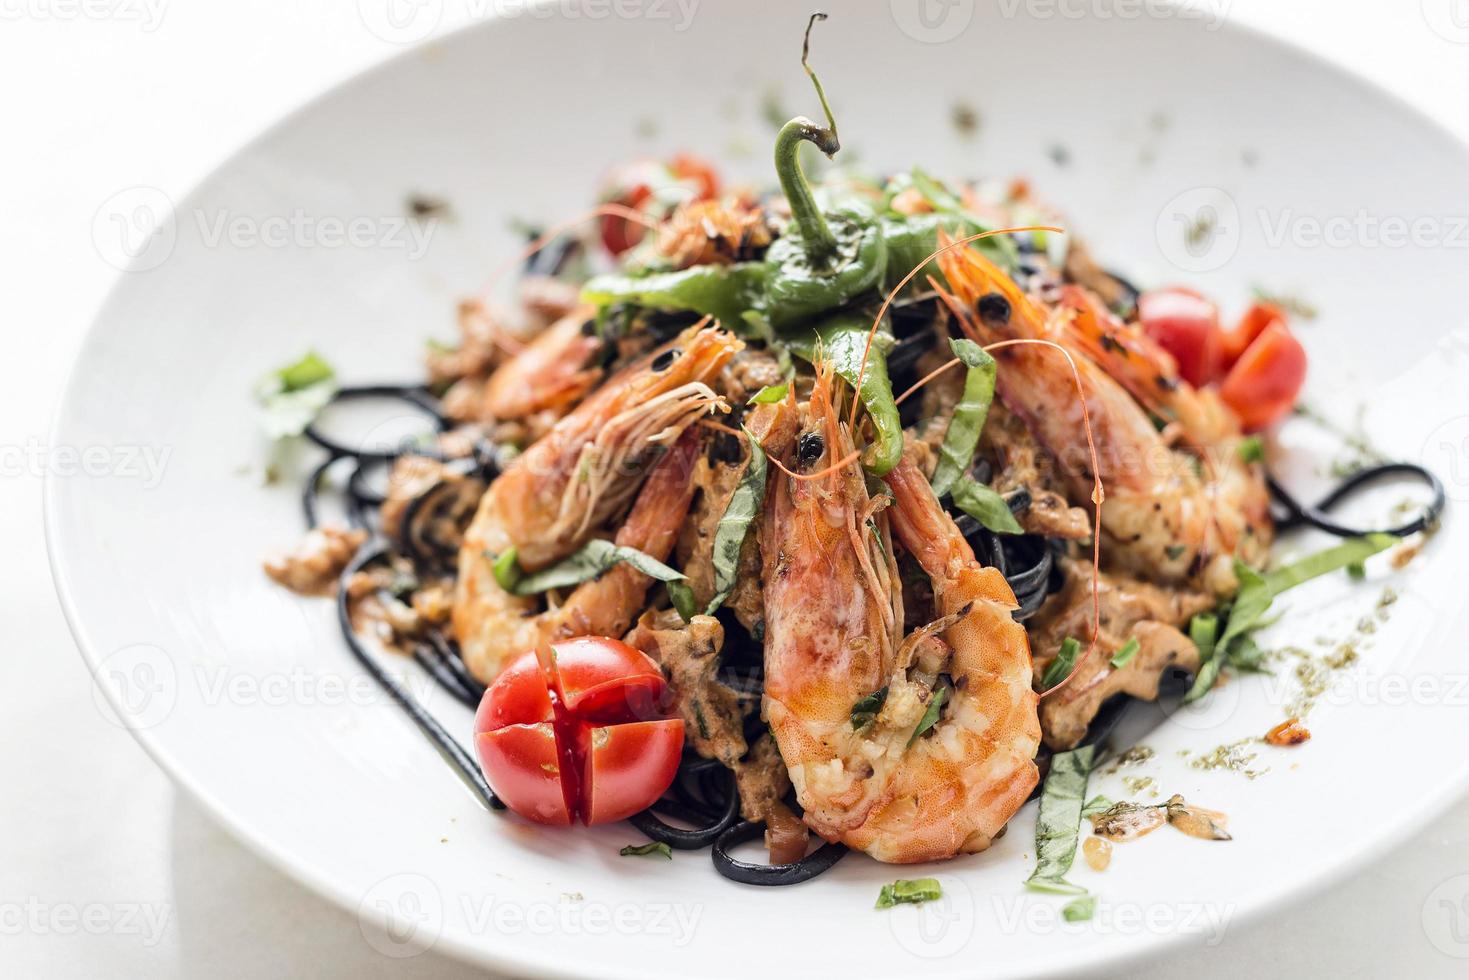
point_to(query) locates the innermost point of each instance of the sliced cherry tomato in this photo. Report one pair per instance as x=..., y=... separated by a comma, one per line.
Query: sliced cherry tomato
x=1262, y=386
x=583, y=736
x=1186, y=325
x=1251, y=325
x=635, y=185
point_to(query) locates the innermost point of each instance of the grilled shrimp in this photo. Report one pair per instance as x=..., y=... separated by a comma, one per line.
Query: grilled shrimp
x=572, y=480
x=833, y=628
x=551, y=374
x=1163, y=515
x=497, y=626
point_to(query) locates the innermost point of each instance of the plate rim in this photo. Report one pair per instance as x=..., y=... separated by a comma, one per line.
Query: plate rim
x=1388, y=835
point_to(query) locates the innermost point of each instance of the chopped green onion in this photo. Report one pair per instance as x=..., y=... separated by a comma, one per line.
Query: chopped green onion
x=1079, y=909
x=652, y=847
x=1060, y=668
x=1129, y=650
x=909, y=891
x=292, y=396
x=1251, y=449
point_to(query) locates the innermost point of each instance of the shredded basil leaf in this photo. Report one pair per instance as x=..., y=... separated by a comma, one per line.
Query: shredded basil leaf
x=652, y=847
x=1079, y=909
x=734, y=525
x=506, y=571
x=683, y=600
x=594, y=558
x=962, y=437
x=1097, y=804
x=293, y=395
x=1129, y=650
x=1251, y=449
x=931, y=715
x=1058, y=824
x=984, y=505
x=770, y=394
x=1258, y=591
x=865, y=711
x=909, y=891
x=1060, y=668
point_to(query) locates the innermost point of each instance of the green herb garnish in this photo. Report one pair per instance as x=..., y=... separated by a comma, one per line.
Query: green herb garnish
x=594, y=558
x=1058, y=824
x=1129, y=650
x=1251, y=449
x=770, y=394
x=642, y=850
x=734, y=525
x=931, y=715
x=292, y=396
x=1097, y=804
x=1079, y=909
x=1060, y=668
x=865, y=712
x=984, y=505
x=683, y=600
x=505, y=569
x=962, y=437
x=909, y=891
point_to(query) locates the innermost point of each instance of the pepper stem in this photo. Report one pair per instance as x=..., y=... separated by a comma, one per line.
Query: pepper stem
x=820, y=242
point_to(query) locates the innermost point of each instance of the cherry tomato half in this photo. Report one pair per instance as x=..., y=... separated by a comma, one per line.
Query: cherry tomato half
x=635, y=184
x=584, y=736
x=1186, y=325
x=1263, y=384
x=1251, y=325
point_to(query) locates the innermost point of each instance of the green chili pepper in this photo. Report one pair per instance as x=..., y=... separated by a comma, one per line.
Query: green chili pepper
x=724, y=292
x=823, y=260
x=842, y=339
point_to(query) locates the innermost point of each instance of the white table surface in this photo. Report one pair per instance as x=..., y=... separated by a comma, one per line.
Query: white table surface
x=104, y=868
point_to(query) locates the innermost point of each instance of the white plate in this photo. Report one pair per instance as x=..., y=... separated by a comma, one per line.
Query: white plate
x=247, y=697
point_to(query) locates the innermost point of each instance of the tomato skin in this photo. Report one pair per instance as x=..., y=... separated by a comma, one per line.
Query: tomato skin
x=634, y=184
x=623, y=761
x=1259, y=316
x=582, y=736
x=1262, y=386
x=1186, y=325
x=523, y=763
